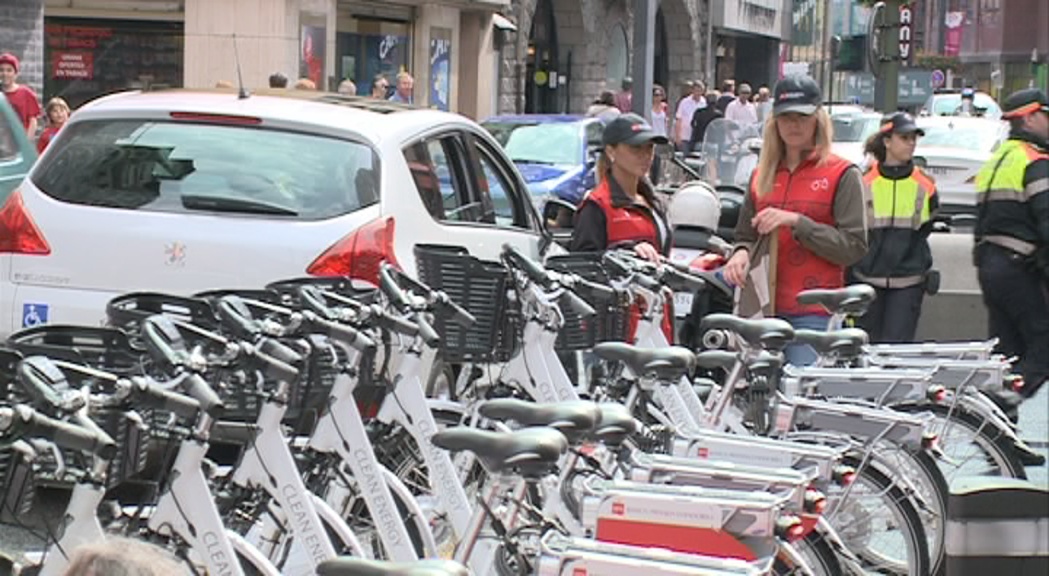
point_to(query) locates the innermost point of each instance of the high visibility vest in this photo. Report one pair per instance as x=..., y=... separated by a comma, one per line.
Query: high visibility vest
x=1002, y=180
x=904, y=203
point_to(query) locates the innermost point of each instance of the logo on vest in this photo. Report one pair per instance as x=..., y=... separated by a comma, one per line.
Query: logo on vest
x=820, y=184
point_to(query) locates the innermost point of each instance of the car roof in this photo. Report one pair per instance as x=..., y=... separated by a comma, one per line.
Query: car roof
x=373, y=119
x=956, y=120
x=537, y=118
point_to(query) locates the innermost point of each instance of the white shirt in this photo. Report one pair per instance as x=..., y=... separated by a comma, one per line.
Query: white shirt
x=685, y=109
x=742, y=113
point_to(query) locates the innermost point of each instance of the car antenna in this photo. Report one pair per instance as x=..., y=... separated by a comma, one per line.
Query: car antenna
x=242, y=93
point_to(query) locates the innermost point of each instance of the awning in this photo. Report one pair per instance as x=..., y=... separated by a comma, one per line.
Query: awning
x=503, y=23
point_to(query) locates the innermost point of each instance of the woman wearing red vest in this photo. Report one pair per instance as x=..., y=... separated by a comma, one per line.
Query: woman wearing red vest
x=623, y=211
x=809, y=203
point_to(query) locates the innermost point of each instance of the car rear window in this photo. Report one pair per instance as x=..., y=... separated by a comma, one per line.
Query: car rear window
x=192, y=167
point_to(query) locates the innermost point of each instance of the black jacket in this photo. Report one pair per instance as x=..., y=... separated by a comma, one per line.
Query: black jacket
x=590, y=232
x=1029, y=220
x=898, y=252
x=700, y=120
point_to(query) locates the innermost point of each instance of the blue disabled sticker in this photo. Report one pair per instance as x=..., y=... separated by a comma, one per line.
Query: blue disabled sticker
x=33, y=315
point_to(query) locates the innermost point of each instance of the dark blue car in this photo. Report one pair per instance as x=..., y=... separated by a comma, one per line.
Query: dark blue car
x=555, y=153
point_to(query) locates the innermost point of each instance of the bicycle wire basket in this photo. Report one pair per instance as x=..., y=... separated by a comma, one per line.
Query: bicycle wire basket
x=101, y=348
x=17, y=485
x=480, y=287
x=612, y=321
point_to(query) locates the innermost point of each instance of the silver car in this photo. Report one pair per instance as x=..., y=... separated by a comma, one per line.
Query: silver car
x=954, y=149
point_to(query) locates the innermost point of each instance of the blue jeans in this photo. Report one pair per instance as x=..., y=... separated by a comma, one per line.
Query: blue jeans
x=803, y=354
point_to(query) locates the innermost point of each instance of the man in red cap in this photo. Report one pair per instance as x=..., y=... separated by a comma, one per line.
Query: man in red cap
x=1012, y=237
x=22, y=98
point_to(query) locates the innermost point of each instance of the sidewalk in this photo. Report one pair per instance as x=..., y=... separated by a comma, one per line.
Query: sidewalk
x=1034, y=428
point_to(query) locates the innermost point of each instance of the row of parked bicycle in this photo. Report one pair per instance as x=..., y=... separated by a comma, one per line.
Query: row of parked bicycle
x=300, y=429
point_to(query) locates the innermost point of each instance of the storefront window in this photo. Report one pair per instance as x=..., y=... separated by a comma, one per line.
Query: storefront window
x=374, y=47
x=88, y=58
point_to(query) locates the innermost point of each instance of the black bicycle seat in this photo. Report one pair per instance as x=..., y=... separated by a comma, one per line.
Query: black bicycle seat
x=615, y=426
x=530, y=452
x=767, y=333
x=844, y=343
x=347, y=566
x=852, y=300
x=575, y=419
x=667, y=364
x=711, y=359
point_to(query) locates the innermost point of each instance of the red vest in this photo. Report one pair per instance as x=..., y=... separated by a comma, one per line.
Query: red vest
x=626, y=224
x=810, y=191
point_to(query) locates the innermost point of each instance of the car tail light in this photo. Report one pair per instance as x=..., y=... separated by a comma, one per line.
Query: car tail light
x=18, y=232
x=359, y=254
x=790, y=528
x=208, y=118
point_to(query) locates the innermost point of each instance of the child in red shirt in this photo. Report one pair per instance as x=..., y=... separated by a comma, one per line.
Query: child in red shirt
x=57, y=112
x=22, y=98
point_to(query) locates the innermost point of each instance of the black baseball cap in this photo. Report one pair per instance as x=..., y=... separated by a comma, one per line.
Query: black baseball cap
x=796, y=93
x=1024, y=102
x=630, y=129
x=900, y=123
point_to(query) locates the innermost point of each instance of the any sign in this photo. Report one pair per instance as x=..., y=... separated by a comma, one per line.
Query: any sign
x=906, y=27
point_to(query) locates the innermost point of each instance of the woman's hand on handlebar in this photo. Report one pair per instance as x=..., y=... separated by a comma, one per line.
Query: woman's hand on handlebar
x=647, y=251
x=736, y=268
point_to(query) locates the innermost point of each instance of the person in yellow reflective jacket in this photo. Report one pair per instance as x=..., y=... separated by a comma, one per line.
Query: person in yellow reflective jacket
x=902, y=203
x=1012, y=237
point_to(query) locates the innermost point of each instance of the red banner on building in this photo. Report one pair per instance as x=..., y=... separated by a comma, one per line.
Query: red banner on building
x=952, y=41
x=72, y=65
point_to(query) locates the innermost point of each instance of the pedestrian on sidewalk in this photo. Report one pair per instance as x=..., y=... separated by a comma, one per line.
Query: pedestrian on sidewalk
x=57, y=112
x=898, y=263
x=22, y=98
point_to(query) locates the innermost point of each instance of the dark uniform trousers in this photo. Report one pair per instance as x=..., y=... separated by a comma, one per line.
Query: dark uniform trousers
x=1017, y=300
x=893, y=316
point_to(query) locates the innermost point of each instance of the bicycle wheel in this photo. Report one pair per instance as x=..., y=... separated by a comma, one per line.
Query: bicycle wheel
x=878, y=522
x=969, y=446
x=930, y=501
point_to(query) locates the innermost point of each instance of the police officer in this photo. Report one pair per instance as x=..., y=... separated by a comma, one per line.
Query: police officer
x=622, y=211
x=1012, y=237
x=898, y=261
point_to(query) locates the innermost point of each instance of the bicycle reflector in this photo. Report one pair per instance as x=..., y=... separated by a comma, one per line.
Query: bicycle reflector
x=936, y=393
x=358, y=254
x=815, y=501
x=844, y=475
x=930, y=440
x=790, y=528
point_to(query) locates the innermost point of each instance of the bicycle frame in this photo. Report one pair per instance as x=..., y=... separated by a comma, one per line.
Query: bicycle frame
x=80, y=525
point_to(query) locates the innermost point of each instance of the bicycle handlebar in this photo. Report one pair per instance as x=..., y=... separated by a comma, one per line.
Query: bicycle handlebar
x=199, y=389
x=535, y=271
x=392, y=290
x=23, y=420
x=149, y=393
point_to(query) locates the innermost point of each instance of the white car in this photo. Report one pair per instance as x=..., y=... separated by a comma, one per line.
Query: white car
x=947, y=103
x=851, y=131
x=954, y=149
x=182, y=191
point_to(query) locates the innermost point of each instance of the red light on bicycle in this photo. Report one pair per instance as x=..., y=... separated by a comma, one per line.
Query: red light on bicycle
x=844, y=475
x=815, y=501
x=1016, y=383
x=936, y=393
x=790, y=528
x=930, y=441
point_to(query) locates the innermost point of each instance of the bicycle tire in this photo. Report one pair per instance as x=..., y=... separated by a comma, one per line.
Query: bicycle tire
x=817, y=552
x=906, y=516
x=996, y=445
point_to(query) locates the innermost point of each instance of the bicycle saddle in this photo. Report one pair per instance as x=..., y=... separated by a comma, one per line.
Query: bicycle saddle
x=575, y=419
x=711, y=359
x=615, y=425
x=530, y=452
x=768, y=333
x=666, y=364
x=347, y=566
x=852, y=300
x=844, y=343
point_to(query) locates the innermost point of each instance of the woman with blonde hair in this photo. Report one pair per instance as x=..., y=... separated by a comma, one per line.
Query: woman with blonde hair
x=123, y=557
x=805, y=210
x=57, y=112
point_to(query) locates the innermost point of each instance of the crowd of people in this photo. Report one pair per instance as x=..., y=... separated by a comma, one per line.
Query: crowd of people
x=811, y=219
x=403, y=91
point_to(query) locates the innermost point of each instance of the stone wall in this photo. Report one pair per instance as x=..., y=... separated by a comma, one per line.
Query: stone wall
x=22, y=34
x=584, y=28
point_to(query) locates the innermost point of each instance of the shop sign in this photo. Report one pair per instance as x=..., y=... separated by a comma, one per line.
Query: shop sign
x=762, y=17
x=311, y=54
x=72, y=65
x=906, y=28
x=440, y=68
x=915, y=87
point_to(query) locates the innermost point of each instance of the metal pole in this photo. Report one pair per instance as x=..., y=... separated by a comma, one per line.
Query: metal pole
x=644, y=54
x=887, y=86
